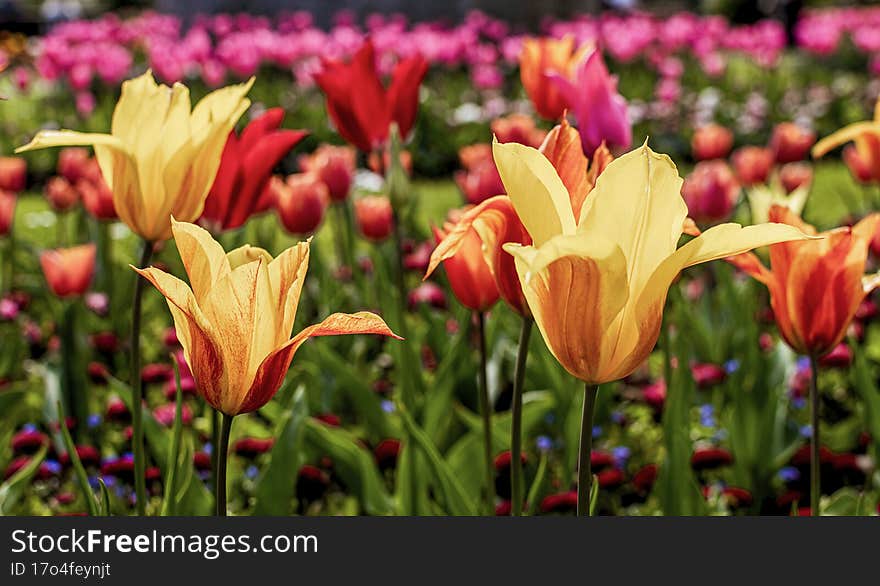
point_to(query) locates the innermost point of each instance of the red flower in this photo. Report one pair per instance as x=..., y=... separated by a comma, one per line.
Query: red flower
x=386, y=453
x=645, y=478
x=600, y=459
x=69, y=271
x=502, y=461
x=95, y=193
x=480, y=179
x=13, y=174
x=710, y=191
x=563, y=502
x=791, y=142
x=240, y=188
x=794, y=175
x=610, y=478
x=250, y=447
x=840, y=357
x=166, y=413
x=708, y=458
x=374, y=217
x=711, y=141
x=61, y=194
x=707, y=375
x=302, y=200
x=752, y=164
x=156, y=373
x=330, y=419
x=518, y=128
x=7, y=211
x=72, y=163
x=28, y=441
x=469, y=275
x=335, y=166
x=361, y=107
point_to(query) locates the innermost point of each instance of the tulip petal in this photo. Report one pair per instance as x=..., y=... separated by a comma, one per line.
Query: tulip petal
x=203, y=257
x=562, y=147
x=194, y=331
x=403, y=93
x=273, y=369
x=637, y=203
x=538, y=194
x=843, y=136
x=259, y=127
x=287, y=274
x=575, y=288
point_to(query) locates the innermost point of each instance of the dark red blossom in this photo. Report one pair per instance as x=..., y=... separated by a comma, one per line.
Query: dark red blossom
x=250, y=447
x=709, y=458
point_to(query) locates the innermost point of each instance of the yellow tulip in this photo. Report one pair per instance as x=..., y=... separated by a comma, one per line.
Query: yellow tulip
x=597, y=284
x=864, y=156
x=235, y=318
x=159, y=159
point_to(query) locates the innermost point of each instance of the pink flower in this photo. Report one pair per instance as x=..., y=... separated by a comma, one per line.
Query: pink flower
x=601, y=112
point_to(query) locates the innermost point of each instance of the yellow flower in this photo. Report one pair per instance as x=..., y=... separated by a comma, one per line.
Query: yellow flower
x=763, y=197
x=159, y=159
x=235, y=319
x=864, y=156
x=597, y=284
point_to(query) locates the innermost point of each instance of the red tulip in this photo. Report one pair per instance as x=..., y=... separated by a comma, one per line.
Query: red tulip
x=374, y=217
x=302, y=200
x=69, y=271
x=469, y=276
x=707, y=374
x=361, y=107
x=240, y=188
x=795, y=175
x=96, y=196
x=72, y=162
x=710, y=191
x=712, y=141
x=335, y=166
x=791, y=142
x=863, y=158
x=61, y=194
x=13, y=174
x=753, y=165
x=8, y=200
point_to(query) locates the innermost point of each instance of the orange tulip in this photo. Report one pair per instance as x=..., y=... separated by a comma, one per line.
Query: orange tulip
x=753, y=164
x=790, y=142
x=469, y=275
x=235, y=318
x=496, y=222
x=69, y=271
x=540, y=57
x=815, y=285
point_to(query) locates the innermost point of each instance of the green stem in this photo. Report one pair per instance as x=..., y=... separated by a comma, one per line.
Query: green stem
x=486, y=414
x=220, y=468
x=585, y=474
x=343, y=249
x=137, y=390
x=519, y=376
x=815, y=443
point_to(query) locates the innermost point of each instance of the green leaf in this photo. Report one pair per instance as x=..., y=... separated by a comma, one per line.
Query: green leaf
x=12, y=491
x=355, y=465
x=169, y=503
x=452, y=493
x=276, y=486
x=538, y=487
x=81, y=477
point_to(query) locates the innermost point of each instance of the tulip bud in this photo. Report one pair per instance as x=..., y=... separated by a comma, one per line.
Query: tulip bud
x=302, y=200
x=335, y=166
x=72, y=162
x=69, y=271
x=791, y=142
x=480, y=182
x=427, y=293
x=707, y=375
x=711, y=142
x=752, y=164
x=860, y=167
x=373, y=162
x=710, y=191
x=374, y=217
x=61, y=194
x=13, y=174
x=795, y=175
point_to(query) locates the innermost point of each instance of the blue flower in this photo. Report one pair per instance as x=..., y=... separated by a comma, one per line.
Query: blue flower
x=93, y=421
x=388, y=406
x=208, y=448
x=251, y=471
x=544, y=443
x=798, y=403
x=618, y=417
x=731, y=365
x=621, y=455
x=789, y=474
x=803, y=363
x=53, y=466
x=707, y=415
x=597, y=431
x=29, y=427
x=806, y=431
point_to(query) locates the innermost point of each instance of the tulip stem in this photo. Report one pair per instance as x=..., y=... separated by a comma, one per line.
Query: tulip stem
x=220, y=468
x=343, y=228
x=585, y=449
x=486, y=414
x=399, y=277
x=815, y=444
x=519, y=376
x=137, y=390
